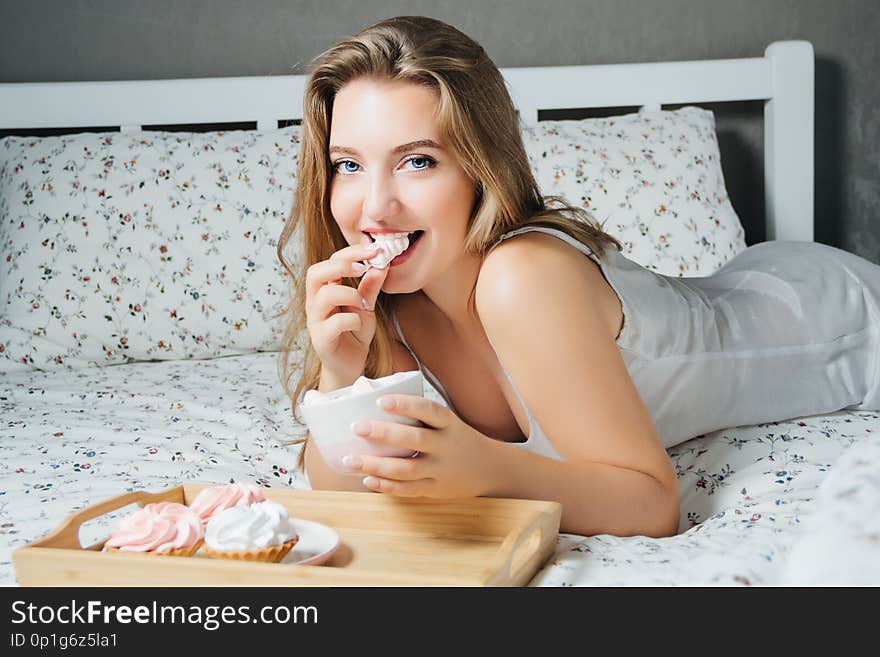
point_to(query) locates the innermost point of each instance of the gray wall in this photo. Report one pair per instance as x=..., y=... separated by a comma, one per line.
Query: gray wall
x=126, y=39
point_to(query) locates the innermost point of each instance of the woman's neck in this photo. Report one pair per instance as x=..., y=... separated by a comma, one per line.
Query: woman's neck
x=450, y=293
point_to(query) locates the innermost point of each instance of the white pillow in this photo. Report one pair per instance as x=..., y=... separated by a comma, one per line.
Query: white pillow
x=146, y=245
x=653, y=178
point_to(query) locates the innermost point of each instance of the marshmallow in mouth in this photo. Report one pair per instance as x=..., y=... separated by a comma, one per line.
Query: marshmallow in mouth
x=390, y=245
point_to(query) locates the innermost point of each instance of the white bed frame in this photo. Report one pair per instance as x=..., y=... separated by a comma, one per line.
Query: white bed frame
x=783, y=78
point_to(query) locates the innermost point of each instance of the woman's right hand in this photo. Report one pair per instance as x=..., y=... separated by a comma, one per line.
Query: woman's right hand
x=341, y=319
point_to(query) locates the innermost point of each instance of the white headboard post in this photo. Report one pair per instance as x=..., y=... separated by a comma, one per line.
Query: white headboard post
x=788, y=142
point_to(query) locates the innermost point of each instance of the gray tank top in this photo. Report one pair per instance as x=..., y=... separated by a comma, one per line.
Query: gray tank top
x=782, y=330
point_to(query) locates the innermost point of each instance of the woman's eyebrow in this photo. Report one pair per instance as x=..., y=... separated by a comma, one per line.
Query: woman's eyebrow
x=419, y=143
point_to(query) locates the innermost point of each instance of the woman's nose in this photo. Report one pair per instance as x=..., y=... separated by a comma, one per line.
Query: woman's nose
x=381, y=198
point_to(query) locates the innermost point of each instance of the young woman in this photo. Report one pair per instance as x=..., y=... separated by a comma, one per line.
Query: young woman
x=568, y=369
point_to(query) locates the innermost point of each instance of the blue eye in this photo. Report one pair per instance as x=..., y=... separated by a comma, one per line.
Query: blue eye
x=427, y=162
x=419, y=163
x=342, y=163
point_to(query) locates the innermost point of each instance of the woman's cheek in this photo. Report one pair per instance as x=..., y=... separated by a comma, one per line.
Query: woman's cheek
x=343, y=206
x=454, y=191
x=456, y=203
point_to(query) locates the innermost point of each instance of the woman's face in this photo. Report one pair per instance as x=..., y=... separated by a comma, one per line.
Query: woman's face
x=392, y=174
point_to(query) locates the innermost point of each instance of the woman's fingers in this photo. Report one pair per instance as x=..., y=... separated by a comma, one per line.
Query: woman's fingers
x=371, y=285
x=387, y=467
x=403, y=477
x=426, y=411
x=393, y=434
x=354, y=252
x=418, y=488
x=343, y=263
x=326, y=295
x=331, y=298
x=341, y=322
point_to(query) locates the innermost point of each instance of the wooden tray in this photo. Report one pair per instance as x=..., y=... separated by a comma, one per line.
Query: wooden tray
x=385, y=541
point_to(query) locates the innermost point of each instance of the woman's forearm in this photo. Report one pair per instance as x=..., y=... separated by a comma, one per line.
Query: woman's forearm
x=596, y=498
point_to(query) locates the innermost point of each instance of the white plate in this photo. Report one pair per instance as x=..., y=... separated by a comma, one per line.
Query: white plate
x=316, y=543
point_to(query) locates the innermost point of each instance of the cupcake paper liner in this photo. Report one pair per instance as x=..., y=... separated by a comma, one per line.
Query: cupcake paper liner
x=270, y=554
x=173, y=552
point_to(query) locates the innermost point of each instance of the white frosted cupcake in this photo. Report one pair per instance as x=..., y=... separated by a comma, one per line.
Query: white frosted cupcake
x=259, y=532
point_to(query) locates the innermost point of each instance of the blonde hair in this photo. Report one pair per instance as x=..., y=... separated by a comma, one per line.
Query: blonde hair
x=478, y=124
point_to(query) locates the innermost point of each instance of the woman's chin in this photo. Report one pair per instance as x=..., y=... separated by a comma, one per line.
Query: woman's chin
x=390, y=286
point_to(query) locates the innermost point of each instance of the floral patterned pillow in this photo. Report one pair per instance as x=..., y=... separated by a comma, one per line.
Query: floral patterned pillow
x=654, y=181
x=118, y=247
x=151, y=246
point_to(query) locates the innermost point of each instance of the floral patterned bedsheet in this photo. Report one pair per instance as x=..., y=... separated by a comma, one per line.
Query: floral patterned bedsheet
x=793, y=502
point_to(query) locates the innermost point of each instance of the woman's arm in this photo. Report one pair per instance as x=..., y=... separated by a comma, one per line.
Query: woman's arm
x=537, y=302
x=596, y=498
x=322, y=476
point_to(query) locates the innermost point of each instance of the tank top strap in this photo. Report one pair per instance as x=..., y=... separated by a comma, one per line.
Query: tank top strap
x=428, y=374
x=403, y=339
x=556, y=232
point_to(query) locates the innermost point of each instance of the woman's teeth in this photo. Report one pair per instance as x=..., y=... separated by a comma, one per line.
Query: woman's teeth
x=377, y=237
x=391, y=245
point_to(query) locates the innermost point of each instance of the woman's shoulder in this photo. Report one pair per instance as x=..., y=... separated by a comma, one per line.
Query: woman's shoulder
x=532, y=263
x=535, y=254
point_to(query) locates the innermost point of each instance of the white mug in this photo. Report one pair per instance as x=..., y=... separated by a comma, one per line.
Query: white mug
x=329, y=421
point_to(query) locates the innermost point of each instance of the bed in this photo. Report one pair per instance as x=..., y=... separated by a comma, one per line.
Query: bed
x=107, y=386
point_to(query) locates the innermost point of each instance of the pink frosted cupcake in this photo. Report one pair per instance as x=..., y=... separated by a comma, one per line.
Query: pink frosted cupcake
x=165, y=528
x=214, y=499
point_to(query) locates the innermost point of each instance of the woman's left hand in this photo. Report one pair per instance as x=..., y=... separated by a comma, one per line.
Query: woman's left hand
x=454, y=460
